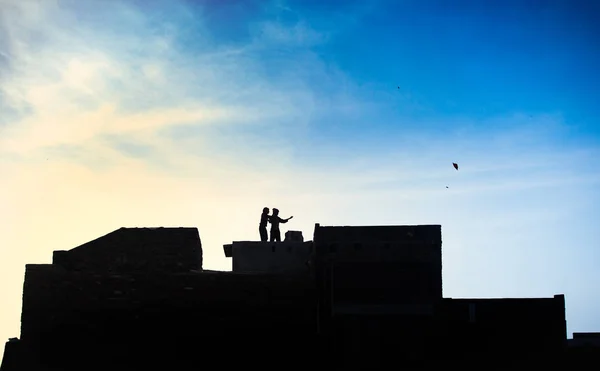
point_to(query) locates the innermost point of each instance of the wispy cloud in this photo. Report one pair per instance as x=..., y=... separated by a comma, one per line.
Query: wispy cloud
x=82, y=85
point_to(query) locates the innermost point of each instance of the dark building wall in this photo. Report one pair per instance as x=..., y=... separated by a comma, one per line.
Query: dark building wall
x=12, y=356
x=57, y=302
x=70, y=316
x=137, y=250
x=93, y=311
x=271, y=257
x=376, y=288
x=581, y=358
x=496, y=326
x=583, y=351
x=465, y=333
x=380, y=264
x=387, y=233
x=142, y=289
x=585, y=339
x=377, y=341
x=399, y=283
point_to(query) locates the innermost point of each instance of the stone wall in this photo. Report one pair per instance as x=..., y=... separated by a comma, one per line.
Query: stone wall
x=137, y=250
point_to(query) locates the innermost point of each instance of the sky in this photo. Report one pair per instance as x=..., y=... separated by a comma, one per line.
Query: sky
x=200, y=113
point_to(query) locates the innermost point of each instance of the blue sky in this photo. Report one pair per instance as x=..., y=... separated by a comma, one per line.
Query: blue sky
x=200, y=113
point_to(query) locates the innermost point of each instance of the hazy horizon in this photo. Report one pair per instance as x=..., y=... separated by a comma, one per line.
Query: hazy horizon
x=200, y=113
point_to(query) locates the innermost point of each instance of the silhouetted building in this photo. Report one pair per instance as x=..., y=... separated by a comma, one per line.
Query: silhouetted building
x=585, y=340
x=150, y=250
x=354, y=297
x=583, y=350
x=127, y=309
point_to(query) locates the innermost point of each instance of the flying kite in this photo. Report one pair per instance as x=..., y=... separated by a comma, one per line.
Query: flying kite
x=455, y=165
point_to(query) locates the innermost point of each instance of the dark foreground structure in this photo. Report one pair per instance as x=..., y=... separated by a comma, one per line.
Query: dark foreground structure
x=353, y=298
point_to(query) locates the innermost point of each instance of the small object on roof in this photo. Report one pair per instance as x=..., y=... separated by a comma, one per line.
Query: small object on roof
x=455, y=165
x=293, y=236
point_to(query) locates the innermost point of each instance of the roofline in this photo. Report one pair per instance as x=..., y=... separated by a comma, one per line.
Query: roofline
x=122, y=228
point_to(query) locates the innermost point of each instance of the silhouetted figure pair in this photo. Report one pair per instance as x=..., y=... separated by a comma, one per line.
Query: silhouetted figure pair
x=275, y=220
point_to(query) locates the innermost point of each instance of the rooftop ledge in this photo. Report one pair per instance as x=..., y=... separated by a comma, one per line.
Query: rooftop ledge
x=228, y=248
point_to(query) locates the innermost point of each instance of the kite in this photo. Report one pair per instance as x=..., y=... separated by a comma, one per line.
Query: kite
x=455, y=165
